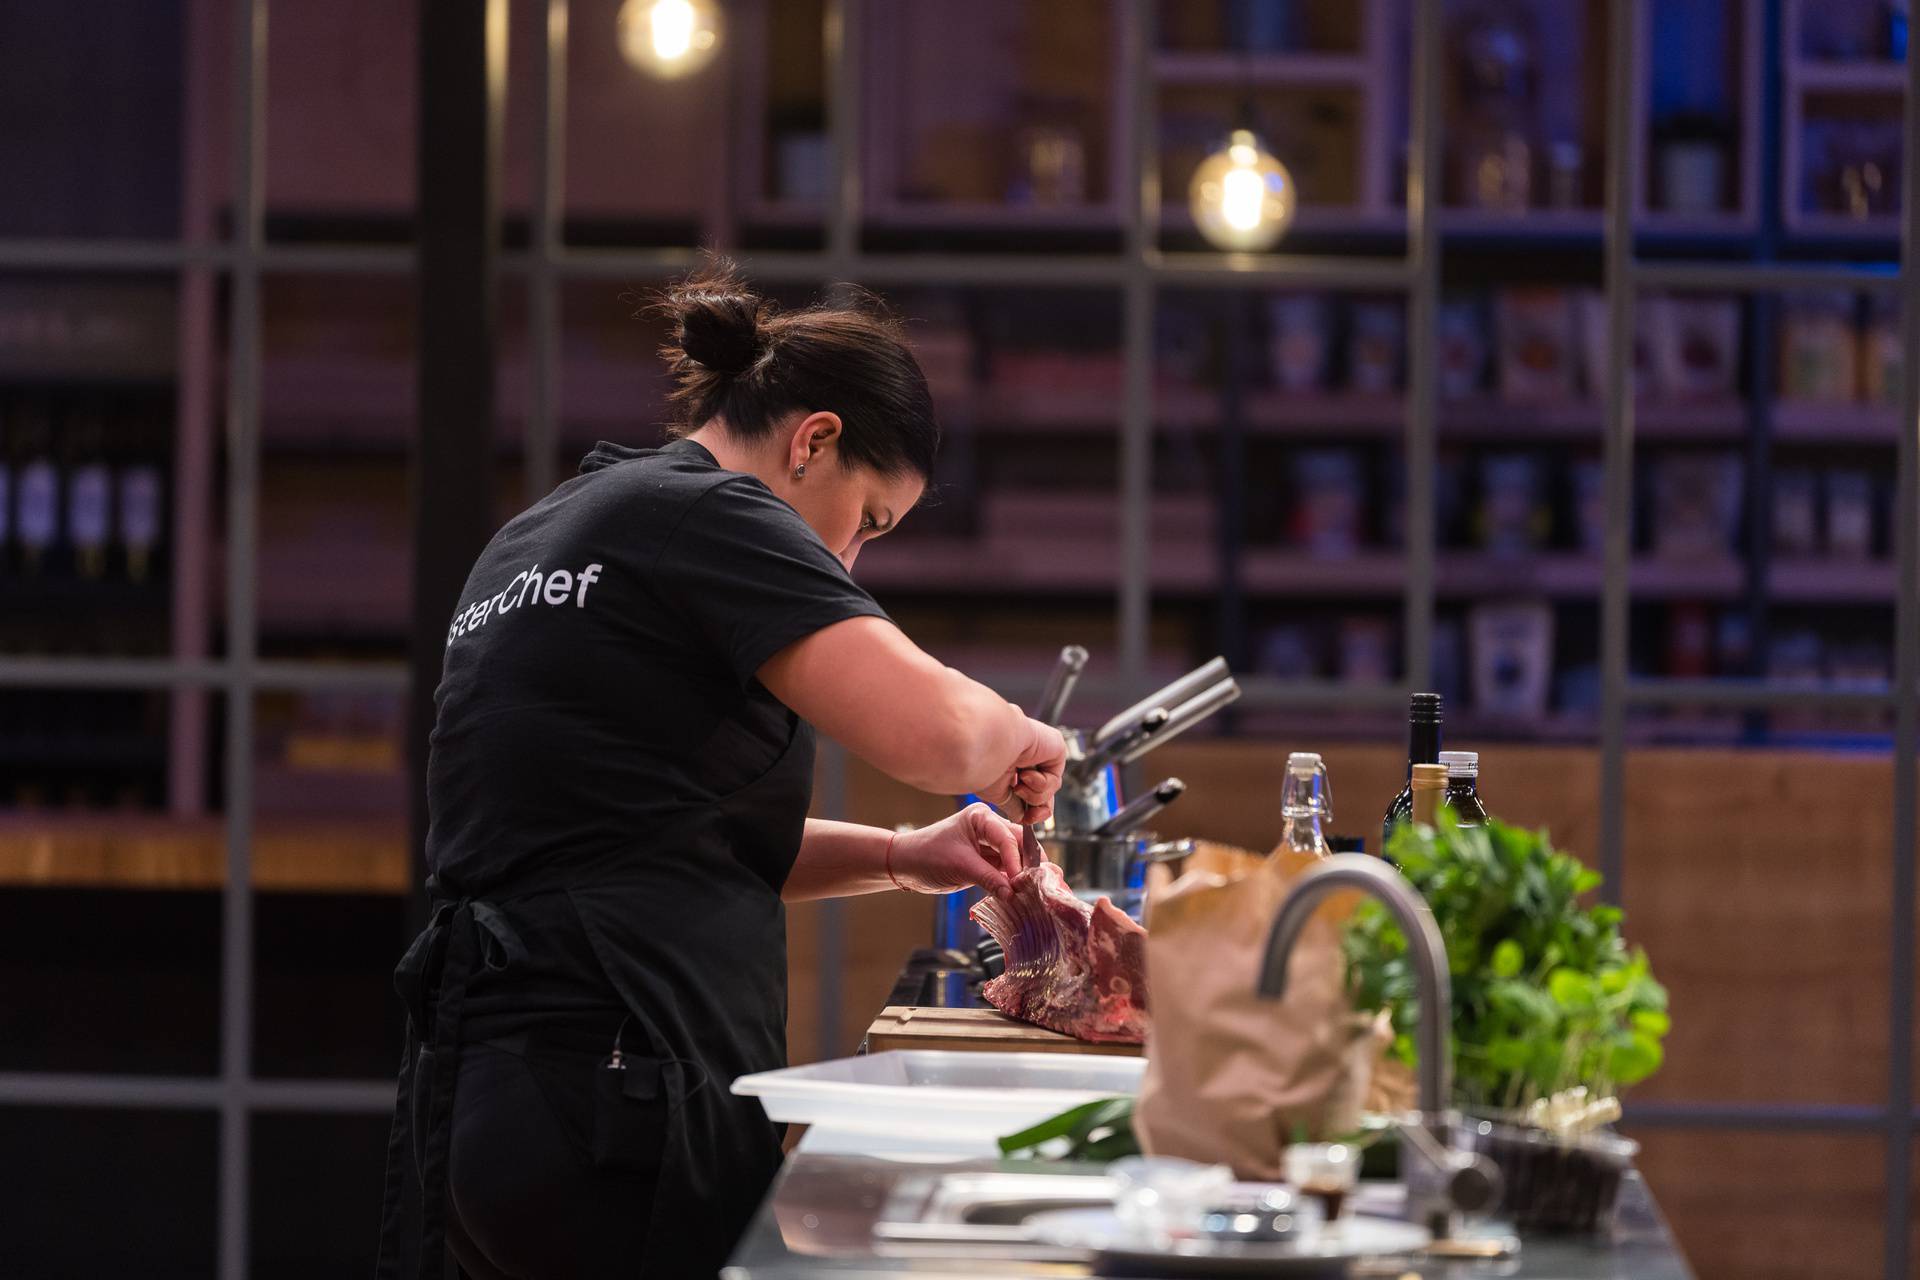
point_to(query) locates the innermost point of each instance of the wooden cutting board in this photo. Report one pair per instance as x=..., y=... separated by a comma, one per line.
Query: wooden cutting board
x=975, y=1030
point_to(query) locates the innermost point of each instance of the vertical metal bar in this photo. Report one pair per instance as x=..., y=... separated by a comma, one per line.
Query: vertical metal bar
x=243, y=479
x=1906, y=732
x=844, y=33
x=543, y=311
x=193, y=450
x=831, y=965
x=842, y=38
x=462, y=72
x=1423, y=305
x=1142, y=185
x=1617, y=447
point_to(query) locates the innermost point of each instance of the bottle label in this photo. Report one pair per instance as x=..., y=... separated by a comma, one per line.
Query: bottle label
x=39, y=506
x=140, y=506
x=88, y=505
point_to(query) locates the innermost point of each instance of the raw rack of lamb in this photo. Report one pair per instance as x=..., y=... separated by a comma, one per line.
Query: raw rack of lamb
x=1071, y=967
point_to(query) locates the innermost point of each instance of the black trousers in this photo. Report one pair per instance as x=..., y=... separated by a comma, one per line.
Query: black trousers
x=553, y=1162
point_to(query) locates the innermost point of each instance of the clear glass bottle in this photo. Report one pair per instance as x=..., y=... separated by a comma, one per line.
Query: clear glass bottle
x=1306, y=802
x=1423, y=747
x=1463, y=787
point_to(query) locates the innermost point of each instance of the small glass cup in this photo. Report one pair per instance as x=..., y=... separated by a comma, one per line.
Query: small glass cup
x=1325, y=1171
x=1163, y=1198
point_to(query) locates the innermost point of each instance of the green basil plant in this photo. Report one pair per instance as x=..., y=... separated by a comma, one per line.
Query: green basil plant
x=1546, y=994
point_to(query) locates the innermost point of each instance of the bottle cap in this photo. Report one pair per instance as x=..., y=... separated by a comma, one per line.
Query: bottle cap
x=1429, y=777
x=1303, y=762
x=1461, y=764
x=1424, y=707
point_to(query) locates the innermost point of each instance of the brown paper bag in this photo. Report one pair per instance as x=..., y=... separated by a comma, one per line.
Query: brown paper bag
x=1230, y=1076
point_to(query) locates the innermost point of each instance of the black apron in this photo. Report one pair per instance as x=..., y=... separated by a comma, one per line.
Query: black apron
x=690, y=933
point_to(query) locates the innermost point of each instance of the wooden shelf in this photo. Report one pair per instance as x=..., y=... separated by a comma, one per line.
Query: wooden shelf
x=1840, y=226
x=1829, y=580
x=1875, y=76
x=152, y=851
x=1236, y=70
x=1835, y=422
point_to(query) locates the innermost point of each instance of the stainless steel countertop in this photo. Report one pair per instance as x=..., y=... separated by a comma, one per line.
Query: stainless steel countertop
x=818, y=1223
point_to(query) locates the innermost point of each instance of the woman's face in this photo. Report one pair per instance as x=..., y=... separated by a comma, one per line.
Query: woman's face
x=848, y=506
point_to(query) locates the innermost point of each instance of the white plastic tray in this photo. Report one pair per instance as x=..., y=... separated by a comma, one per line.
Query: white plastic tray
x=938, y=1094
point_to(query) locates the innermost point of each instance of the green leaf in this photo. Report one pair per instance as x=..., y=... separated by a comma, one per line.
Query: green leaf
x=1633, y=1060
x=1651, y=1021
x=1588, y=880
x=1507, y=959
x=1570, y=990
x=1059, y=1126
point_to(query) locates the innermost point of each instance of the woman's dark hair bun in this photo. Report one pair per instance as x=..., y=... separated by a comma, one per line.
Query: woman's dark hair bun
x=736, y=356
x=717, y=323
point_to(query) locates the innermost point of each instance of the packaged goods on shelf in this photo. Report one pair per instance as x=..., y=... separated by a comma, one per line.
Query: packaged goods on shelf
x=1376, y=343
x=1796, y=512
x=1689, y=640
x=946, y=354
x=1817, y=347
x=1696, y=505
x=1698, y=347
x=1882, y=356
x=1287, y=652
x=1447, y=673
x=1512, y=647
x=1299, y=342
x=1461, y=355
x=1366, y=650
x=1849, y=514
x=1536, y=344
x=1589, y=481
x=1733, y=642
x=1329, y=499
x=1514, y=516
x=1649, y=313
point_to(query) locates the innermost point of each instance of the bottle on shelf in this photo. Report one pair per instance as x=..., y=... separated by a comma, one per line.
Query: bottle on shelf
x=89, y=504
x=1429, y=789
x=1306, y=801
x=1423, y=747
x=139, y=497
x=36, y=507
x=6, y=492
x=1463, y=787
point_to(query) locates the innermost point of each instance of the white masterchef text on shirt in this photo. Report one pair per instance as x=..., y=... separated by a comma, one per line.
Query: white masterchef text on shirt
x=528, y=587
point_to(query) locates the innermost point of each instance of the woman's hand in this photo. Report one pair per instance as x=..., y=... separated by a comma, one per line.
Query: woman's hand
x=975, y=846
x=1028, y=786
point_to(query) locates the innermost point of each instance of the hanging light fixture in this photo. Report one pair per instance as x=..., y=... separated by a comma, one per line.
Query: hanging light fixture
x=1242, y=197
x=669, y=38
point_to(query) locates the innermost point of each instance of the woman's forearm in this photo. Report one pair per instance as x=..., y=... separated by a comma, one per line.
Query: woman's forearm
x=838, y=859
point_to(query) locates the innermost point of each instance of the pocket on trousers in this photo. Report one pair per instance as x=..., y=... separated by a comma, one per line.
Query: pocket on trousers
x=629, y=1118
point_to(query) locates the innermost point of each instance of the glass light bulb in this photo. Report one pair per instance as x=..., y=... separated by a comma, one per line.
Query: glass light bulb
x=1242, y=197
x=669, y=38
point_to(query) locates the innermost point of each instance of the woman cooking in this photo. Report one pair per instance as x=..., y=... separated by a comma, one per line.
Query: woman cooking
x=619, y=780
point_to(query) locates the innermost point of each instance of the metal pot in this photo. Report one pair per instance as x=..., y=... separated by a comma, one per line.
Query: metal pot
x=1112, y=865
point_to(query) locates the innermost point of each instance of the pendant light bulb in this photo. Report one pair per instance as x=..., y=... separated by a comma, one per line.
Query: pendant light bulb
x=669, y=38
x=1242, y=197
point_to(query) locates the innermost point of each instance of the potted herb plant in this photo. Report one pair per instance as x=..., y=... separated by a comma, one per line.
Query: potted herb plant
x=1552, y=1012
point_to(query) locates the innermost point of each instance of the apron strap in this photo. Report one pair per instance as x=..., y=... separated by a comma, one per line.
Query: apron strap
x=441, y=957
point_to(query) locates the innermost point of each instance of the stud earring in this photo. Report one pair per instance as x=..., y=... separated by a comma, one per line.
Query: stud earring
x=799, y=471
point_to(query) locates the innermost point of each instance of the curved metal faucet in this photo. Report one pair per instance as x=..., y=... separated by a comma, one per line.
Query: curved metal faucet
x=1424, y=948
x=1439, y=1179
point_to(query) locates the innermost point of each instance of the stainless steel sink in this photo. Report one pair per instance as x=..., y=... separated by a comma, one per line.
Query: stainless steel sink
x=983, y=1213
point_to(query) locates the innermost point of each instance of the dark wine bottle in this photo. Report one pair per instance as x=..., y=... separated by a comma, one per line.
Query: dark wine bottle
x=1423, y=747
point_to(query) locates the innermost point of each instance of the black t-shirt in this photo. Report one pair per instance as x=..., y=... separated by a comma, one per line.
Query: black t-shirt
x=609, y=775
x=599, y=679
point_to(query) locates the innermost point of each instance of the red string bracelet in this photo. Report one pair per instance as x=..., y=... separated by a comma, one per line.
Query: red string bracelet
x=896, y=883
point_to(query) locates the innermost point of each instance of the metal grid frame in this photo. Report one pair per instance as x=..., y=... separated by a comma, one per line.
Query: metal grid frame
x=1137, y=273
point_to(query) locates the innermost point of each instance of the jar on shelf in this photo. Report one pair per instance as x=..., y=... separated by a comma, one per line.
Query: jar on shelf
x=1817, y=347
